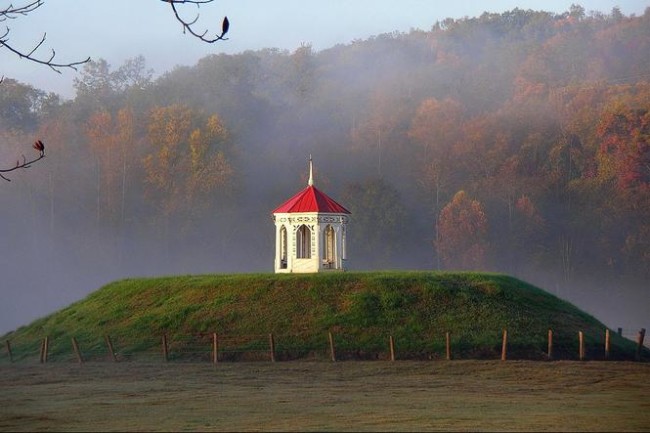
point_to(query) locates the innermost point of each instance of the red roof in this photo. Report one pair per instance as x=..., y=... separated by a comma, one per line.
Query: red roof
x=311, y=199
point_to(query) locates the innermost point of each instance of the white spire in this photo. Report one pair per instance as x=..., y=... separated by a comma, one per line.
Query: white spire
x=311, y=172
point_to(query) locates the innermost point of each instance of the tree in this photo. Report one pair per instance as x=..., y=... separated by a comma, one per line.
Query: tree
x=189, y=162
x=379, y=219
x=111, y=139
x=303, y=72
x=19, y=106
x=463, y=233
x=576, y=11
x=26, y=7
x=382, y=126
x=623, y=172
x=100, y=88
x=527, y=234
x=625, y=146
x=436, y=127
x=39, y=147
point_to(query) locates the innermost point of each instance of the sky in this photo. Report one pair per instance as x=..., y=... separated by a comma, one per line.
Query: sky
x=118, y=30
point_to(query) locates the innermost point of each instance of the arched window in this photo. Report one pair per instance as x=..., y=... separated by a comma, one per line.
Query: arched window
x=283, y=247
x=303, y=242
x=329, y=245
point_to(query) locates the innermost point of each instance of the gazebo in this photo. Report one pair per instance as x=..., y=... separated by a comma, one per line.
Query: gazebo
x=310, y=232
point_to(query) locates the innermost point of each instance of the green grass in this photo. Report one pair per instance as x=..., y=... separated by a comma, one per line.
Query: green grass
x=360, y=309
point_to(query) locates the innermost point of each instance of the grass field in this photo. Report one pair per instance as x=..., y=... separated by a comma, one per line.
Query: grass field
x=302, y=395
x=361, y=309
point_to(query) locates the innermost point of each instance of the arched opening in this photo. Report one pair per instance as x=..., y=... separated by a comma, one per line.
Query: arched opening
x=329, y=245
x=303, y=242
x=283, y=247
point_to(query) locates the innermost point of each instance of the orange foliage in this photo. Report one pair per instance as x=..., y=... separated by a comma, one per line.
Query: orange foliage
x=463, y=233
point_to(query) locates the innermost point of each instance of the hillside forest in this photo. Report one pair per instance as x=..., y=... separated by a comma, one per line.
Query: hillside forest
x=515, y=142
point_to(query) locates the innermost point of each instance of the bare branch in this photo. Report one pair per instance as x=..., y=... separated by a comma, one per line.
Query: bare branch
x=55, y=66
x=39, y=147
x=188, y=24
x=12, y=12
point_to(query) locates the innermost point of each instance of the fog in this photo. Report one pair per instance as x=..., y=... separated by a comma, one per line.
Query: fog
x=397, y=125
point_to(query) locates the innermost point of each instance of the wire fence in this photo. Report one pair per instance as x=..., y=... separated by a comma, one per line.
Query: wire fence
x=623, y=344
x=633, y=335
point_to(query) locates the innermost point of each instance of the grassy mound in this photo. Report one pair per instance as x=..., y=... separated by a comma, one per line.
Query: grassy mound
x=361, y=310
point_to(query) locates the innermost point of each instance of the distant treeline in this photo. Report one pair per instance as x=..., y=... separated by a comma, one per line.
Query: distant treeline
x=515, y=142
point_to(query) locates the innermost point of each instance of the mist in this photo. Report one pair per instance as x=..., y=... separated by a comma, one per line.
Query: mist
x=512, y=109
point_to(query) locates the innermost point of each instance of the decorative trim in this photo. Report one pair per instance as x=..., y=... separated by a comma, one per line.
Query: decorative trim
x=333, y=219
x=306, y=219
x=339, y=219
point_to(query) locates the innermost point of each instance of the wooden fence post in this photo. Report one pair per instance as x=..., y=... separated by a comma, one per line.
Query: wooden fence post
x=44, y=350
x=549, y=352
x=215, y=348
x=607, y=343
x=111, y=350
x=11, y=356
x=332, y=351
x=639, y=344
x=165, y=349
x=504, y=345
x=448, y=346
x=272, y=347
x=581, y=342
x=75, y=346
x=391, y=343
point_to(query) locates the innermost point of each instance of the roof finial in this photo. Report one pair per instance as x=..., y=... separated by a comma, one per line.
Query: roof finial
x=311, y=171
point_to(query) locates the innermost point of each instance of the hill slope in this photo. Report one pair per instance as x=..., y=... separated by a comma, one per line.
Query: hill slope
x=360, y=309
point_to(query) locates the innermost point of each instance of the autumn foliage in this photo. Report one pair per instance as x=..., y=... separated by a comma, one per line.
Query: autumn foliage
x=463, y=233
x=515, y=142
